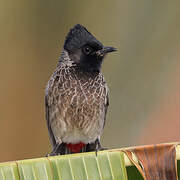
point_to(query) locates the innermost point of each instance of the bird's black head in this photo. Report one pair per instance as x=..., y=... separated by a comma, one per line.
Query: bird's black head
x=84, y=49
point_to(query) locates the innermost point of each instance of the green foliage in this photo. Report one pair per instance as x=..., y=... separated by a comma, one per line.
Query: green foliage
x=133, y=173
x=106, y=165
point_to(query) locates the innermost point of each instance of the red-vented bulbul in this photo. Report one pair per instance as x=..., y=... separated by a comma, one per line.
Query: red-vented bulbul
x=76, y=96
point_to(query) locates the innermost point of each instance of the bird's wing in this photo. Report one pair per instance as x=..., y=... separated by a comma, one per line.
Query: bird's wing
x=51, y=135
x=106, y=108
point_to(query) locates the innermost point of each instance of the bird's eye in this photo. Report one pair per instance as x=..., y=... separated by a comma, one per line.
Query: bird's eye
x=87, y=49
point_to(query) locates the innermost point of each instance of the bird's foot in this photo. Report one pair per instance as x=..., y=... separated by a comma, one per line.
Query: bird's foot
x=103, y=149
x=57, y=150
x=52, y=154
x=99, y=147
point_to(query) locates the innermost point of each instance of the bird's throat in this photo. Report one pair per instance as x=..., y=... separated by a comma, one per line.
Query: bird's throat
x=75, y=148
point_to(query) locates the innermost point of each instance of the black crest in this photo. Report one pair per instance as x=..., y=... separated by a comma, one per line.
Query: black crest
x=77, y=37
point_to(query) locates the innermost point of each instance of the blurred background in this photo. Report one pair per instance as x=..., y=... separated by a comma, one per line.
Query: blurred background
x=143, y=76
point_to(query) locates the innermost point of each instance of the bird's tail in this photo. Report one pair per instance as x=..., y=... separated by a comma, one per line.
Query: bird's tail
x=64, y=148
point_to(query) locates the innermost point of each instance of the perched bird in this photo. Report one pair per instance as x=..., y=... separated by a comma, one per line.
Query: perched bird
x=76, y=96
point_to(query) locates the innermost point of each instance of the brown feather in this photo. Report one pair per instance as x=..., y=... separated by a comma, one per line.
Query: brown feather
x=76, y=104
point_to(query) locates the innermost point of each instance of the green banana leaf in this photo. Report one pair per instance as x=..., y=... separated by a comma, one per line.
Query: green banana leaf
x=107, y=165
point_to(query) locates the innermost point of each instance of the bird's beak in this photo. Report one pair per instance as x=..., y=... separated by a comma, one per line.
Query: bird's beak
x=105, y=50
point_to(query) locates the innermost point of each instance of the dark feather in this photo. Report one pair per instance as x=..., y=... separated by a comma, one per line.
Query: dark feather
x=106, y=108
x=51, y=135
x=77, y=37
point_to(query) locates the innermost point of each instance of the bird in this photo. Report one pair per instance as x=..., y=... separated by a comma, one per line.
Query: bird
x=77, y=95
